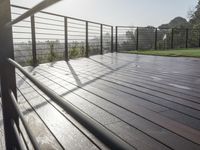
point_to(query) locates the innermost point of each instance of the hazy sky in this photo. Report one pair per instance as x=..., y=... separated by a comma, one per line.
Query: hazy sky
x=120, y=12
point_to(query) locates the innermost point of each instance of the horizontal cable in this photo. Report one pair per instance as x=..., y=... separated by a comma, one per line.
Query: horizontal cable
x=51, y=29
x=89, y=29
x=28, y=130
x=20, y=26
x=101, y=132
x=30, y=12
x=49, y=39
x=76, y=39
x=25, y=21
x=62, y=16
x=93, y=26
x=48, y=43
x=22, y=44
x=76, y=35
x=55, y=49
x=49, y=19
x=21, y=32
x=77, y=27
x=18, y=38
x=50, y=24
x=76, y=31
x=48, y=34
x=76, y=23
x=19, y=141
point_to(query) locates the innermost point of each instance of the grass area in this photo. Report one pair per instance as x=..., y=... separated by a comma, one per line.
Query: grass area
x=171, y=53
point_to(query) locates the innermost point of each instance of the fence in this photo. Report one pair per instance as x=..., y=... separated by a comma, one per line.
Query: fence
x=46, y=37
x=148, y=38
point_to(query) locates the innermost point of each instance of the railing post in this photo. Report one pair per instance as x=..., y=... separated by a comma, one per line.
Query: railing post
x=66, y=39
x=33, y=40
x=186, y=38
x=7, y=74
x=116, y=39
x=172, y=39
x=112, y=39
x=156, y=32
x=199, y=38
x=101, y=39
x=87, y=44
x=137, y=38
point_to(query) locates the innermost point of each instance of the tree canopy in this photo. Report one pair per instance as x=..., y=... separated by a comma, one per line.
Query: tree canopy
x=195, y=17
x=177, y=22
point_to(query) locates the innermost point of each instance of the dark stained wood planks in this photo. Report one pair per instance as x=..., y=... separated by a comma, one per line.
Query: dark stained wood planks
x=150, y=102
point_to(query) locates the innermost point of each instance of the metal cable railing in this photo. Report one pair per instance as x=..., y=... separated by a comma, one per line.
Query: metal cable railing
x=149, y=38
x=49, y=37
x=21, y=116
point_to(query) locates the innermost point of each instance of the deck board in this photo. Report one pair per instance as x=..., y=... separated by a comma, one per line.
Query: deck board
x=150, y=102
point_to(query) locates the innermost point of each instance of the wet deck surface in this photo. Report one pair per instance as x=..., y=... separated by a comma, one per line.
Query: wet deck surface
x=151, y=102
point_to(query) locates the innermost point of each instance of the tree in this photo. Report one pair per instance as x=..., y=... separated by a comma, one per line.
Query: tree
x=179, y=35
x=177, y=22
x=195, y=17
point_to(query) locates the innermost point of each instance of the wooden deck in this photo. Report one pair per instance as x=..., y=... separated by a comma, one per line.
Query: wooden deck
x=151, y=102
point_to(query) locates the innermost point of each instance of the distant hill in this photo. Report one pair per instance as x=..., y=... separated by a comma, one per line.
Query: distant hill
x=177, y=22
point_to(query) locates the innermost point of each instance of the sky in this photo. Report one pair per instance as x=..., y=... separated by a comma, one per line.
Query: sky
x=120, y=12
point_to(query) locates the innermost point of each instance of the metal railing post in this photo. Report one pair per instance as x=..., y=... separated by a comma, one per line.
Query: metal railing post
x=172, y=39
x=33, y=40
x=66, y=39
x=101, y=39
x=7, y=74
x=87, y=44
x=116, y=39
x=137, y=38
x=186, y=38
x=199, y=38
x=112, y=39
x=156, y=35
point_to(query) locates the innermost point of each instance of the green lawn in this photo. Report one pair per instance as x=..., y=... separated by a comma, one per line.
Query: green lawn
x=172, y=53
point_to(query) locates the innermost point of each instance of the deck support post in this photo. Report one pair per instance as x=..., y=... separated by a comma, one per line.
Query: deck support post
x=33, y=41
x=156, y=32
x=186, y=38
x=137, y=38
x=116, y=39
x=101, y=39
x=112, y=39
x=7, y=75
x=66, y=40
x=199, y=38
x=172, y=39
x=87, y=42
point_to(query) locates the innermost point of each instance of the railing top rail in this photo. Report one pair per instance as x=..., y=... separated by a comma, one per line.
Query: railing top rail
x=49, y=13
x=102, y=133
